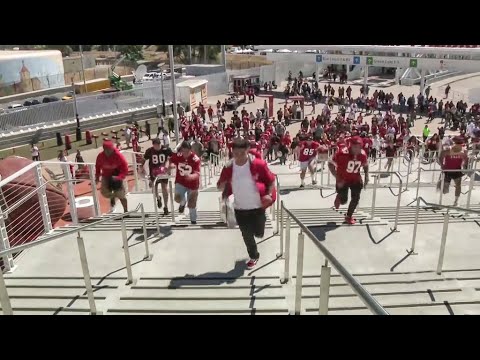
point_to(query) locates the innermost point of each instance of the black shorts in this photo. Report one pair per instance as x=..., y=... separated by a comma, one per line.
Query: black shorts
x=449, y=176
x=356, y=189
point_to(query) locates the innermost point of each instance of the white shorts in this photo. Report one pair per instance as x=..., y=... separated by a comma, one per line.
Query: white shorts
x=304, y=164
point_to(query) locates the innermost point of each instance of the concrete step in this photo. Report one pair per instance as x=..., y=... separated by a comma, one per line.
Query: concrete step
x=54, y=304
x=207, y=282
x=244, y=306
x=394, y=300
x=56, y=292
x=227, y=293
x=388, y=288
x=61, y=282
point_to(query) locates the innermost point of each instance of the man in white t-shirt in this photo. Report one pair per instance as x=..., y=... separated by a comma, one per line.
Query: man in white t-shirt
x=252, y=185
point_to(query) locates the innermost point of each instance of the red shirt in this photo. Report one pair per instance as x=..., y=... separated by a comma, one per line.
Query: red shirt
x=107, y=165
x=308, y=152
x=186, y=167
x=454, y=161
x=348, y=165
x=367, y=144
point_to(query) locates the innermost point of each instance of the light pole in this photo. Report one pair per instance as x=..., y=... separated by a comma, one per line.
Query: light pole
x=75, y=111
x=163, y=95
x=83, y=69
x=174, y=100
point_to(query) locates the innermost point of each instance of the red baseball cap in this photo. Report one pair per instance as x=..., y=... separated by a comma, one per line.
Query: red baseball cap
x=458, y=140
x=108, y=144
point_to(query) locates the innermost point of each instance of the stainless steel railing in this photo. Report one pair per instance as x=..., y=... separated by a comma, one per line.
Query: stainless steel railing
x=359, y=290
x=444, y=229
x=5, y=299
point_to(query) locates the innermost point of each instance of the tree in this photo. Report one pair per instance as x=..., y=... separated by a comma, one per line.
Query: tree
x=181, y=52
x=131, y=52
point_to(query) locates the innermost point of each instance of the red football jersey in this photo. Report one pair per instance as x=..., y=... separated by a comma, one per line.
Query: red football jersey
x=186, y=167
x=307, y=152
x=348, y=165
x=367, y=144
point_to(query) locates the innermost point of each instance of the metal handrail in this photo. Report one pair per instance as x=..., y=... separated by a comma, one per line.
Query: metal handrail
x=4, y=297
x=358, y=288
x=67, y=232
x=446, y=221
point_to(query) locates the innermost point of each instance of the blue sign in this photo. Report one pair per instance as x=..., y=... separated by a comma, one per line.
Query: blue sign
x=319, y=58
x=356, y=60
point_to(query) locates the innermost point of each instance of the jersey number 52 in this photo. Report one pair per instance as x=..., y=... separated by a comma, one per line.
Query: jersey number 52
x=184, y=169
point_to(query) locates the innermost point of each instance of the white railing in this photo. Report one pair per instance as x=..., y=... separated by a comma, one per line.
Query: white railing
x=4, y=297
x=34, y=199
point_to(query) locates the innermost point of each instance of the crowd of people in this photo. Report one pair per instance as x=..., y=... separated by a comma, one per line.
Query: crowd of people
x=344, y=140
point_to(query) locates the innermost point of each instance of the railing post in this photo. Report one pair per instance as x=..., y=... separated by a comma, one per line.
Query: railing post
x=42, y=198
x=434, y=165
x=470, y=188
x=126, y=252
x=415, y=225
x=442, y=186
x=135, y=170
x=409, y=169
x=446, y=219
x=324, y=289
x=328, y=177
x=93, y=183
x=172, y=203
x=148, y=256
x=155, y=196
x=8, y=262
x=321, y=172
x=399, y=199
x=379, y=166
x=299, y=281
x=418, y=181
x=281, y=230
x=374, y=195
x=70, y=192
x=4, y=298
x=86, y=275
x=286, y=273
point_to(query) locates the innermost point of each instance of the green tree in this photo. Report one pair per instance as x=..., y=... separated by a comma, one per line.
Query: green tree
x=131, y=52
x=198, y=52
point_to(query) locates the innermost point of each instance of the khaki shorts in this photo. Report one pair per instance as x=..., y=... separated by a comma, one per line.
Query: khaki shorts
x=106, y=192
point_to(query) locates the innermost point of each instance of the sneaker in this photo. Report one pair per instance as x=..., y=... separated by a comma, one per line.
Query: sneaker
x=193, y=222
x=112, y=206
x=314, y=182
x=350, y=220
x=159, y=202
x=181, y=209
x=259, y=235
x=251, y=263
x=302, y=186
x=455, y=203
x=165, y=211
x=336, y=203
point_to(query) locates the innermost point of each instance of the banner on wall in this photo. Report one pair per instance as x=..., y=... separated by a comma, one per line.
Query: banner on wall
x=204, y=94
